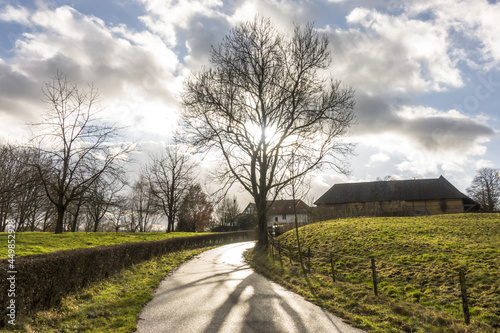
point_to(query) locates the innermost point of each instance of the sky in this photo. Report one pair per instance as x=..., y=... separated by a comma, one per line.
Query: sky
x=426, y=72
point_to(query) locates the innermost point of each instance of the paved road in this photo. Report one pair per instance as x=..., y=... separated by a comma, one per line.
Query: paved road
x=218, y=292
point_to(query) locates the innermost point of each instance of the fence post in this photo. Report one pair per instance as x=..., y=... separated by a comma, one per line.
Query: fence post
x=465, y=303
x=374, y=273
x=272, y=248
x=309, y=260
x=333, y=267
x=290, y=248
x=279, y=253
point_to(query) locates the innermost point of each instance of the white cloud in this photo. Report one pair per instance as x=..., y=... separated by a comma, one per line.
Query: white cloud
x=15, y=14
x=474, y=19
x=165, y=17
x=129, y=68
x=381, y=52
x=424, y=141
x=377, y=159
x=484, y=164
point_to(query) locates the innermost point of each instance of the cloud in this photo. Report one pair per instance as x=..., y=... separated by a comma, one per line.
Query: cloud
x=15, y=14
x=476, y=20
x=165, y=17
x=425, y=140
x=380, y=52
x=135, y=72
x=377, y=159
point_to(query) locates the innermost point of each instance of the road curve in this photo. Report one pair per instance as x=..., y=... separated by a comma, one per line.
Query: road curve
x=217, y=291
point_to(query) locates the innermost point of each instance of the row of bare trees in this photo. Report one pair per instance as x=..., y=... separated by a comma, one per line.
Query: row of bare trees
x=165, y=190
x=71, y=176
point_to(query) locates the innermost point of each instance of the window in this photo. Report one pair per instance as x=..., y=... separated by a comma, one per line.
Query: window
x=276, y=219
x=284, y=217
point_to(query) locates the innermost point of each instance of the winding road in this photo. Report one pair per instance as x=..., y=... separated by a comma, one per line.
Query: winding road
x=217, y=291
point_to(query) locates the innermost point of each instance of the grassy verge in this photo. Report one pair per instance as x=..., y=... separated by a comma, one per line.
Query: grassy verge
x=418, y=260
x=109, y=306
x=42, y=242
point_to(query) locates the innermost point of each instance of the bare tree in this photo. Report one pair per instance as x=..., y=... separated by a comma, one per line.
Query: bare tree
x=485, y=188
x=144, y=206
x=118, y=214
x=102, y=196
x=195, y=211
x=11, y=170
x=22, y=198
x=170, y=176
x=226, y=213
x=264, y=97
x=78, y=144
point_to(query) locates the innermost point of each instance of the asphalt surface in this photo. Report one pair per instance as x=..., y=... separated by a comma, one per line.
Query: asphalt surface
x=217, y=291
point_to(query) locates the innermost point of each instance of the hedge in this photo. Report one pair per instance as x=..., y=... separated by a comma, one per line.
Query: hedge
x=43, y=280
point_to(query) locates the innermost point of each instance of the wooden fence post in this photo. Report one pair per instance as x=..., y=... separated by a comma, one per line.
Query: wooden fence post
x=333, y=267
x=374, y=273
x=272, y=249
x=279, y=253
x=465, y=303
x=309, y=259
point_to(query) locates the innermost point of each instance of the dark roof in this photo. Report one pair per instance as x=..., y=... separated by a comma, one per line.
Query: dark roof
x=280, y=207
x=286, y=207
x=394, y=190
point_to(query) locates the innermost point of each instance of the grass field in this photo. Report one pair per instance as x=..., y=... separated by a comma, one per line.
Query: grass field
x=109, y=306
x=417, y=260
x=41, y=242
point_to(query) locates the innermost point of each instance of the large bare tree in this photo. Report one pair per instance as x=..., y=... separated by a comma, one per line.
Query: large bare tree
x=485, y=188
x=78, y=144
x=170, y=175
x=266, y=98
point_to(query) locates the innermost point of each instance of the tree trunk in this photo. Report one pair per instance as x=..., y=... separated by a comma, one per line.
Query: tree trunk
x=60, y=219
x=75, y=219
x=262, y=221
x=170, y=224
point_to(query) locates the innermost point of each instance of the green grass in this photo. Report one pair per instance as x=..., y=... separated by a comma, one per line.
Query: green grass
x=417, y=259
x=41, y=242
x=110, y=306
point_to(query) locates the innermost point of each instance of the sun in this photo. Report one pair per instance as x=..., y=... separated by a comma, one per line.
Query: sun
x=254, y=132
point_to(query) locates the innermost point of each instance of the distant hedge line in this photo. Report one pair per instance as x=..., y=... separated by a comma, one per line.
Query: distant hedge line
x=43, y=280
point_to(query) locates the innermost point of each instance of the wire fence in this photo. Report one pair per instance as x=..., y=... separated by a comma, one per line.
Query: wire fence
x=398, y=280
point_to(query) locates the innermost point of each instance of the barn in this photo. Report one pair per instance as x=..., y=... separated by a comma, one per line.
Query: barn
x=395, y=198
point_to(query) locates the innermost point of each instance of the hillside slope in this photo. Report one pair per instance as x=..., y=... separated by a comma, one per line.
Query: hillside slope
x=417, y=261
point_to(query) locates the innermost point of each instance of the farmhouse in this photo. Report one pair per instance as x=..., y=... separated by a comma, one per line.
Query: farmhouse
x=395, y=198
x=282, y=212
